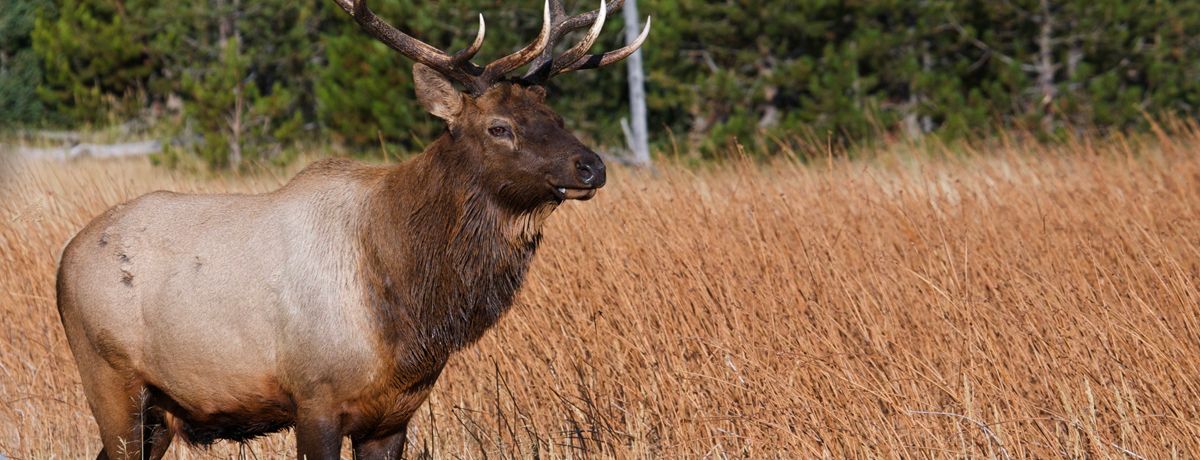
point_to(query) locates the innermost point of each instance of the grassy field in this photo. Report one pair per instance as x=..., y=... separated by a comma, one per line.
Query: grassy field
x=1012, y=302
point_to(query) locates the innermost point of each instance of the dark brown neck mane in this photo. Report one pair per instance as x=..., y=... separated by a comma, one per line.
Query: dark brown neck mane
x=442, y=261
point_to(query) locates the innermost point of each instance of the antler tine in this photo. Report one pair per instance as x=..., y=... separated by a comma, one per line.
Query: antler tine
x=506, y=64
x=593, y=61
x=456, y=67
x=584, y=45
x=468, y=53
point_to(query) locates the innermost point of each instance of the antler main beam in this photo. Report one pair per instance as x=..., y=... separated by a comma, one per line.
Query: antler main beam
x=555, y=25
x=457, y=67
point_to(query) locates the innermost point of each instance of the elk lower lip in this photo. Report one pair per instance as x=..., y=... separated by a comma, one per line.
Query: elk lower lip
x=578, y=193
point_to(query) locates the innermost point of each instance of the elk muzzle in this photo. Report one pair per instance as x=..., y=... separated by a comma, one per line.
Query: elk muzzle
x=588, y=175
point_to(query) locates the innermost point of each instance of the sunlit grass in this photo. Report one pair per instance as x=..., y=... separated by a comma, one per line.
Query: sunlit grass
x=1010, y=301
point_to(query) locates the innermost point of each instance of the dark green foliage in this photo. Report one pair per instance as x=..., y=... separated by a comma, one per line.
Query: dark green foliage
x=242, y=123
x=240, y=69
x=20, y=70
x=766, y=70
x=364, y=90
x=768, y=73
x=248, y=100
x=95, y=60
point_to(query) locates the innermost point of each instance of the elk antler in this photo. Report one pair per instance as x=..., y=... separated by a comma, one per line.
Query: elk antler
x=457, y=67
x=555, y=25
x=547, y=65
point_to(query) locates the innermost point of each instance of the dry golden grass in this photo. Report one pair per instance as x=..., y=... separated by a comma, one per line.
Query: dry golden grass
x=1025, y=302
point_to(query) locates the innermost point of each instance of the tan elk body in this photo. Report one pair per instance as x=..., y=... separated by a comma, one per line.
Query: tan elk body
x=332, y=304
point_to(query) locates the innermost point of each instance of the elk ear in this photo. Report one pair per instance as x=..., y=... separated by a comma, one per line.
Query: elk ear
x=436, y=93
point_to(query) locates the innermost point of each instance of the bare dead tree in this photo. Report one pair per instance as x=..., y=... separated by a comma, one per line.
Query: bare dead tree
x=638, y=135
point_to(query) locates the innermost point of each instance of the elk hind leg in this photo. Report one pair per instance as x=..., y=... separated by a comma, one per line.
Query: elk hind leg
x=129, y=428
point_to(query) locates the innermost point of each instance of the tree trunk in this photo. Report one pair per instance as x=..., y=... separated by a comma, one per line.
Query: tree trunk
x=235, y=128
x=224, y=23
x=1046, y=67
x=639, y=138
x=228, y=30
x=927, y=66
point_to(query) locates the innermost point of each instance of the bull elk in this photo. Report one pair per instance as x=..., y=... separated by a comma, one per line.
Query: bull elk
x=332, y=304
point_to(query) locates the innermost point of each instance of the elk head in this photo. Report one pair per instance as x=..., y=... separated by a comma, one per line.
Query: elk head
x=524, y=155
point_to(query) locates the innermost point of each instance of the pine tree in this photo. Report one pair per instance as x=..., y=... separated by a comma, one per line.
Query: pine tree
x=95, y=60
x=243, y=102
x=766, y=73
x=20, y=70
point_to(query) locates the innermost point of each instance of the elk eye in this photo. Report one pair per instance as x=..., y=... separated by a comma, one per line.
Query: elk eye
x=500, y=131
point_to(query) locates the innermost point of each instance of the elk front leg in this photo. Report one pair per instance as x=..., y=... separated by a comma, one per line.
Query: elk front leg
x=318, y=435
x=384, y=448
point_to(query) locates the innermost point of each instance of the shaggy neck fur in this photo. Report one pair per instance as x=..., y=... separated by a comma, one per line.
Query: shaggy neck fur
x=443, y=259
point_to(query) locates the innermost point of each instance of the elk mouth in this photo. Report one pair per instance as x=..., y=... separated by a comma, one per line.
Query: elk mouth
x=568, y=193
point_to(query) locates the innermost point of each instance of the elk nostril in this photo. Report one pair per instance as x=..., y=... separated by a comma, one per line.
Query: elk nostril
x=585, y=172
